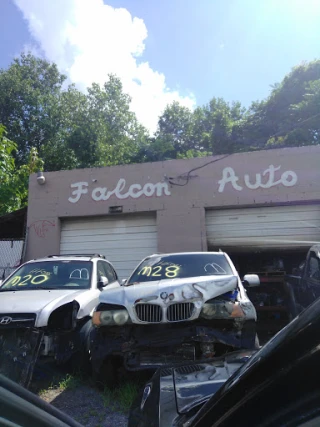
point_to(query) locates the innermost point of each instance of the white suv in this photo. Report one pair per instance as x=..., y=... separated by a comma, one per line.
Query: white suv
x=46, y=307
x=174, y=307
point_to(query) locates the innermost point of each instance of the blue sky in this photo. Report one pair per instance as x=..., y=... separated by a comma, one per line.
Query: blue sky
x=189, y=51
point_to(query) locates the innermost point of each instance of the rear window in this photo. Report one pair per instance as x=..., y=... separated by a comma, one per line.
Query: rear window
x=181, y=266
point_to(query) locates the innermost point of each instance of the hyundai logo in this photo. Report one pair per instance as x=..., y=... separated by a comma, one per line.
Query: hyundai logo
x=5, y=320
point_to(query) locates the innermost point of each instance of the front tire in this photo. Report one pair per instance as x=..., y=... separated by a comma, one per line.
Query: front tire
x=80, y=360
x=107, y=375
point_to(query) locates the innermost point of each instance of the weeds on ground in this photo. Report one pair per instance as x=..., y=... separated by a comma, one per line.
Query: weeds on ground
x=67, y=382
x=122, y=397
x=70, y=382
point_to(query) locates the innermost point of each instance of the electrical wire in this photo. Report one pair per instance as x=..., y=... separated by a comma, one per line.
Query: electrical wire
x=187, y=177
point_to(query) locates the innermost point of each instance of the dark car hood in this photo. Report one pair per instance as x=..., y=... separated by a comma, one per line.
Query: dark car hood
x=293, y=344
x=174, y=394
x=197, y=382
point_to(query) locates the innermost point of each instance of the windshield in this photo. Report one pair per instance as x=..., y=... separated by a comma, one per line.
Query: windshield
x=50, y=275
x=180, y=266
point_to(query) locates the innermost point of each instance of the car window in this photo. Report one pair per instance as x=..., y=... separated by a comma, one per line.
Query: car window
x=181, y=266
x=58, y=274
x=313, y=269
x=105, y=269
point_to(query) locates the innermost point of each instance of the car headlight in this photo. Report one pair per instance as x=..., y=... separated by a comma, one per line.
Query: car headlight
x=214, y=309
x=110, y=317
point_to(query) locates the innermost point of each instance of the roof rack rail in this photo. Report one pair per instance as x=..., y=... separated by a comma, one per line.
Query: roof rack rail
x=77, y=255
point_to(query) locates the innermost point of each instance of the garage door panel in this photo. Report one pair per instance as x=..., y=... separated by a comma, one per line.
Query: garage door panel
x=97, y=222
x=71, y=238
x=264, y=227
x=226, y=219
x=281, y=232
x=110, y=230
x=285, y=209
x=124, y=241
x=108, y=247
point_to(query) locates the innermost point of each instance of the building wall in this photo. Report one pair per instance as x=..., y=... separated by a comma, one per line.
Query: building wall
x=181, y=191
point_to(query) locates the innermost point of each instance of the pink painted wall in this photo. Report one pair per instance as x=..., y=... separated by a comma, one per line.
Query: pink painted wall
x=294, y=177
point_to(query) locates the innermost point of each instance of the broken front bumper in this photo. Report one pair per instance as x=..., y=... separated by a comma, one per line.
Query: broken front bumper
x=19, y=350
x=152, y=346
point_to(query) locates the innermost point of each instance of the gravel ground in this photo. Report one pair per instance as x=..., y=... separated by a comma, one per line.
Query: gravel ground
x=77, y=397
x=86, y=405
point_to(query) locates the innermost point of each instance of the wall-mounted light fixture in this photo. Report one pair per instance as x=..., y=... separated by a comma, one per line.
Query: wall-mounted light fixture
x=115, y=209
x=41, y=178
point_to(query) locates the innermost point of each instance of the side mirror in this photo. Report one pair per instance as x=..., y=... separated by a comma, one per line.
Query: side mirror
x=123, y=282
x=103, y=281
x=251, y=280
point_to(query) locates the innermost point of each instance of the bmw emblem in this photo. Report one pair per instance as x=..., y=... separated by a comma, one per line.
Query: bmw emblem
x=163, y=295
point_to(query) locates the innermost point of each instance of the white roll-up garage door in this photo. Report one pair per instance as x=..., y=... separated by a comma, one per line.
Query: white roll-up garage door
x=124, y=240
x=280, y=227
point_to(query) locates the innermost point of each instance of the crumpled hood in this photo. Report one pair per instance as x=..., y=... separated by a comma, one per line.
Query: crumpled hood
x=164, y=292
x=41, y=302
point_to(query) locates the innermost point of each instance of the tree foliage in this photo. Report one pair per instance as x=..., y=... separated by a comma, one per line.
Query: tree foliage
x=14, y=180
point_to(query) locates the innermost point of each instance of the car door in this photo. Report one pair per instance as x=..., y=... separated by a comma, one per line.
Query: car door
x=105, y=269
x=310, y=283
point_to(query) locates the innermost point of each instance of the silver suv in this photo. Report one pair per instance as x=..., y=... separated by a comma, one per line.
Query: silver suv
x=46, y=307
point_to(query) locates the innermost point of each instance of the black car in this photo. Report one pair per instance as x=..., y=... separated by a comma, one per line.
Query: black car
x=304, y=282
x=278, y=386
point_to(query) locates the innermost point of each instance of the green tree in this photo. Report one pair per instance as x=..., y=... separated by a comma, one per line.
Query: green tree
x=14, y=181
x=68, y=147
x=29, y=94
x=175, y=137
x=218, y=126
x=290, y=115
x=112, y=130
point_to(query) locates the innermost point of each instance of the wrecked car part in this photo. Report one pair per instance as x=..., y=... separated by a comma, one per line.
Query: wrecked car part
x=19, y=349
x=64, y=317
x=143, y=347
x=46, y=345
x=207, y=349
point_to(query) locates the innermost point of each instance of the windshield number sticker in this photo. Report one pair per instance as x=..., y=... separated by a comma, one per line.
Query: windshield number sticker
x=171, y=271
x=34, y=280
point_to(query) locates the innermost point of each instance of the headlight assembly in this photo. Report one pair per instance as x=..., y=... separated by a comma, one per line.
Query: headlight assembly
x=110, y=318
x=221, y=310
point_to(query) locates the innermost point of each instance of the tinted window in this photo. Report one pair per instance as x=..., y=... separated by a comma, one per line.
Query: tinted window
x=105, y=269
x=50, y=275
x=180, y=266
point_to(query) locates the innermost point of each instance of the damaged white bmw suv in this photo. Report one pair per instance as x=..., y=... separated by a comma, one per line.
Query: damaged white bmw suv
x=45, y=310
x=174, y=307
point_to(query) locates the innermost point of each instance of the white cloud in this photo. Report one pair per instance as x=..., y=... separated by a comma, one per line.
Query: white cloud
x=88, y=39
